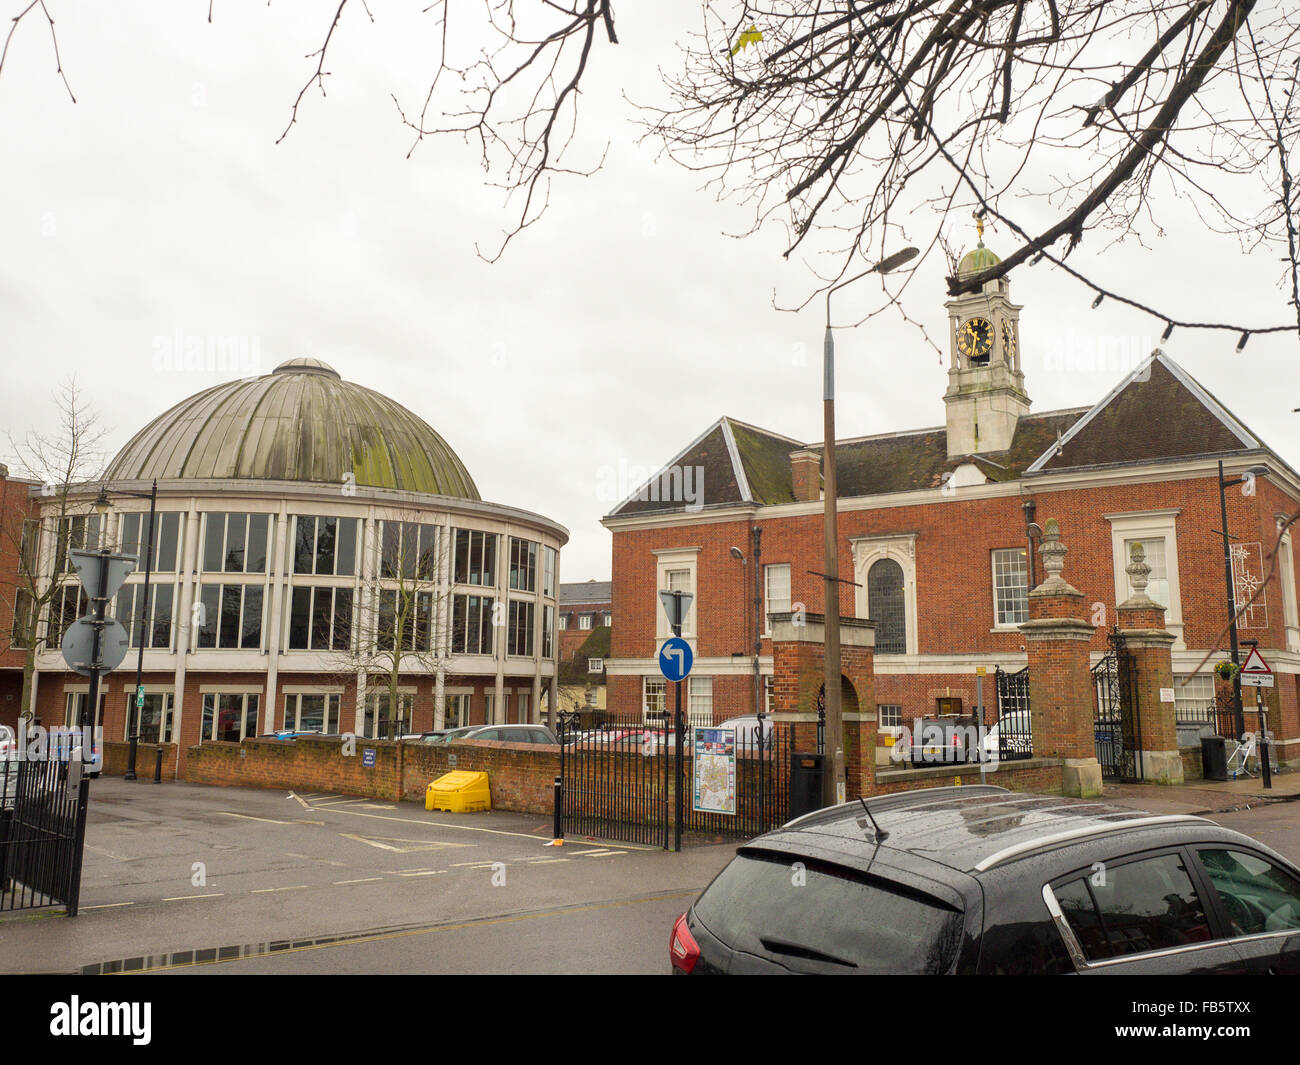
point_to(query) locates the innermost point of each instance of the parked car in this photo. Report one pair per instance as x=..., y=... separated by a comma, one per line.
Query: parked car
x=977, y=879
x=447, y=735
x=513, y=734
x=746, y=728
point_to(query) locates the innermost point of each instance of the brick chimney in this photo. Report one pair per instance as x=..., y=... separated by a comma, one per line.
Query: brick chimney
x=806, y=472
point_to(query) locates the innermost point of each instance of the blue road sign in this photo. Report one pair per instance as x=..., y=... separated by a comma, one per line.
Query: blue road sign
x=675, y=658
x=368, y=757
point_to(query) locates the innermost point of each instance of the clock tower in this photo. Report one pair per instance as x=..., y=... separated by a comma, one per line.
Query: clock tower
x=986, y=389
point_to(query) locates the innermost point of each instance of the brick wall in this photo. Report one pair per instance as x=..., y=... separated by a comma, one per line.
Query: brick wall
x=521, y=775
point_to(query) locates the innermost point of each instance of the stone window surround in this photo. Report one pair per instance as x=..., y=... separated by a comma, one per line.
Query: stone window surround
x=901, y=547
x=1134, y=525
x=670, y=559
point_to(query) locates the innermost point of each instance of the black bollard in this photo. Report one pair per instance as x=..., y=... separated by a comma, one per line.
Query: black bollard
x=557, y=832
x=157, y=767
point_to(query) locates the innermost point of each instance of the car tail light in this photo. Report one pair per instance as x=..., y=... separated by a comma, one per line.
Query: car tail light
x=683, y=951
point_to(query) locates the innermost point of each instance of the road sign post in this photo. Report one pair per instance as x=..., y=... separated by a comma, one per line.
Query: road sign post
x=102, y=574
x=1257, y=673
x=675, y=660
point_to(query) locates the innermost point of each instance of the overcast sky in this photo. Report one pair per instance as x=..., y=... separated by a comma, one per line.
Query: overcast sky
x=611, y=334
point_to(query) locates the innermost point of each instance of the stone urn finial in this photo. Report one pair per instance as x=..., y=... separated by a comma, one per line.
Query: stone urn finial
x=1138, y=569
x=1052, y=550
x=1139, y=573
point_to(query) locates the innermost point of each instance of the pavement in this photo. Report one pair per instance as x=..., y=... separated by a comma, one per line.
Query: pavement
x=177, y=873
x=1204, y=797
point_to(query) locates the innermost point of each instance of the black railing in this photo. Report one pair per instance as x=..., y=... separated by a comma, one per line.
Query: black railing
x=762, y=785
x=617, y=780
x=1015, y=736
x=42, y=833
x=1116, y=732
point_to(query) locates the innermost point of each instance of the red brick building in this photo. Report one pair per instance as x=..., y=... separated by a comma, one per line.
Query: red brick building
x=935, y=534
x=16, y=510
x=584, y=607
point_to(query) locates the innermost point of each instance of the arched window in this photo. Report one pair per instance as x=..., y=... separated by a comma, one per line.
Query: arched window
x=886, y=606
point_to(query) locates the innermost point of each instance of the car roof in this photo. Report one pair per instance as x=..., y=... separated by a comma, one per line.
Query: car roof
x=971, y=828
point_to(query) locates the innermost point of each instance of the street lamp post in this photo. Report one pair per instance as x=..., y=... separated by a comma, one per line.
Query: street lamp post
x=134, y=706
x=1225, y=483
x=833, y=783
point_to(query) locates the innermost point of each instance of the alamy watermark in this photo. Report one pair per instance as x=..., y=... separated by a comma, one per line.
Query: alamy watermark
x=673, y=484
x=178, y=350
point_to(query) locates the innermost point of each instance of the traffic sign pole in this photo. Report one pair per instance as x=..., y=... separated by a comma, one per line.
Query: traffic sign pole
x=98, y=611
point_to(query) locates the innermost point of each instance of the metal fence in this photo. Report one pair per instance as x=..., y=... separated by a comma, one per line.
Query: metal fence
x=42, y=834
x=618, y=774
x=762, y=793
x=615, y=779
x=1014, y=726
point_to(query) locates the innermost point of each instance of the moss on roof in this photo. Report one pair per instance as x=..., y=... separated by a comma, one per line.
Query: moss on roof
x=766, y=461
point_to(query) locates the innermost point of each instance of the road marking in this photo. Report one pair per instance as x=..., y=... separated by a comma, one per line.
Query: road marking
x=599, y=854
x=385, y=843
x=421, y=872
x=267, y=890
x=301, y=802
x=480, y=923
x=474, y=828
x=106, y=853
x=361, y=880
x=377, y=806
x=250, y=817
x=546, y=861
x=474, y=865
x=183, y=898
x=107, y=905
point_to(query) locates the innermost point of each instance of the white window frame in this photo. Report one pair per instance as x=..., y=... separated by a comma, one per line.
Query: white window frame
x=216, y=695
x=584, y=622
x=595, y=665
x=768, y=607
x=683, y=558
x=1149, y=524
x=296, y=694
x=699, y=703
x=867, y=551
x=881, y=726
x=1007, y=626
x=405, y=705
x=660, y=685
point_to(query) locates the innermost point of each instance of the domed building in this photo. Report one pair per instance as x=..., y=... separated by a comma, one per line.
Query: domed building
x=322, y=561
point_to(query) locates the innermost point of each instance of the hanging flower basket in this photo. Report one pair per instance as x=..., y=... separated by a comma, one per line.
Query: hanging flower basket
x=1227, y=670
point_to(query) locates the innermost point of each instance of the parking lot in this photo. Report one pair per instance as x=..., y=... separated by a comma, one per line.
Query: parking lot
x=175, y=868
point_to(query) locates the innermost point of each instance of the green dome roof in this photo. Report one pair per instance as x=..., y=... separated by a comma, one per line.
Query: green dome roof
x=977, y=260
x=301, y=422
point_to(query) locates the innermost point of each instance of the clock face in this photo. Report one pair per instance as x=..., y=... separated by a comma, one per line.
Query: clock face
x=975, y=339
x=1009, y=341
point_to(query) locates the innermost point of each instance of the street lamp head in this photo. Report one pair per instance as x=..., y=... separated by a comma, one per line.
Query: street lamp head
x=102, y=502
x=1257, y=471
x=738, y=554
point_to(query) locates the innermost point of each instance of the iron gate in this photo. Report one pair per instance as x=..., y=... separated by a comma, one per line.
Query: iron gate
x=1015, y=731
x=1115, y=719
x=42, y=835
x=617, y=781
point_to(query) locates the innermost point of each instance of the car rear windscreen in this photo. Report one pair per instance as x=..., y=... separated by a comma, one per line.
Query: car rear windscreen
x=817, y=918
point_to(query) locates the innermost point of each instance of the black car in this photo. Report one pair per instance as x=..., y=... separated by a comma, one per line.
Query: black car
x=978, y=879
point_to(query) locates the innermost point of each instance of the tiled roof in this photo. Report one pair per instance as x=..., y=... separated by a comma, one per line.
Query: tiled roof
x=1157, y=412
x=585, y=592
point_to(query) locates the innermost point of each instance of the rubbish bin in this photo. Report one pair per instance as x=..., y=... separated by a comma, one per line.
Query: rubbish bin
x=1214, y=758
x=806, y=770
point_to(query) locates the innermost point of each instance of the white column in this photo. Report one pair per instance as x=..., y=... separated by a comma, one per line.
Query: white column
x=365, y=611
x=277, y=566
x=499, y=639
x=185, y=615
x=442, y=623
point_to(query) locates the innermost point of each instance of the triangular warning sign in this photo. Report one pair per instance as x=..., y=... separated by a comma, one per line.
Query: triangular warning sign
x=1255, y=663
